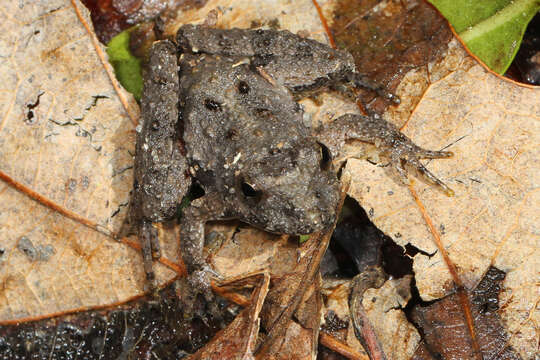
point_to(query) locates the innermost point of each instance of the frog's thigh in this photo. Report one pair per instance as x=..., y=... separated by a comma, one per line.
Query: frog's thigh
x=298, y=62
x=159, y=165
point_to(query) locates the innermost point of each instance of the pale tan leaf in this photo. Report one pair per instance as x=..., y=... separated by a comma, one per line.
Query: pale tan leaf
x=66, y=135
x=251, y=250
x=294, y=16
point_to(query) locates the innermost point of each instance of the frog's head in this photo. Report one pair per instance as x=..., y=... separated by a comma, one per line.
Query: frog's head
x=291, y=190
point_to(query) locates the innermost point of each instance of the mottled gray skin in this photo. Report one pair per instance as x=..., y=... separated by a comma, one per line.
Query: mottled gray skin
x=243, y=137
x=161, y=178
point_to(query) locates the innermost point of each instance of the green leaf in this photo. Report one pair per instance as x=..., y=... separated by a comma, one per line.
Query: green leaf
x=303, y=238
x=491, y=29
x=126, y=66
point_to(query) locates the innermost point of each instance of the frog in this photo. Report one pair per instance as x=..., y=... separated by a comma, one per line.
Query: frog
x=220, y=110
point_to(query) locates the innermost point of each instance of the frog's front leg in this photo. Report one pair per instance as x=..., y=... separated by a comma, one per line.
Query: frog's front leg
x=387, y=138
x=194, y=218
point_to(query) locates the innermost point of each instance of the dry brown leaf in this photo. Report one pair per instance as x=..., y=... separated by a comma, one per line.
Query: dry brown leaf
x=444, y=325
x=493, y=127
x=296, y=344
x=398, y=337
x=239, y=339
x=300, y=340
x=250, y=250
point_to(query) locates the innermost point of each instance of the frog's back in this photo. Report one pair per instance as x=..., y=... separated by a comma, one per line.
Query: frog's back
x=232, y=114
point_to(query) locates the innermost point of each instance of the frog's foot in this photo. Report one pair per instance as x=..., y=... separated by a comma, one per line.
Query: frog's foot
x=148, y=236
x=404, y=151
x=196, y=285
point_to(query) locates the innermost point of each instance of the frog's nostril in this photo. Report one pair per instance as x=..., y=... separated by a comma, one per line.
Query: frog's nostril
x=327, y=219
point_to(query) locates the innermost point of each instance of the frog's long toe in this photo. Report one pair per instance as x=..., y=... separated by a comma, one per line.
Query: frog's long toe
x=433, y=154
x=414, y=162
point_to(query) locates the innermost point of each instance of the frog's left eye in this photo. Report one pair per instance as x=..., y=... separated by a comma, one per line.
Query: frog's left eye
x=326, y=156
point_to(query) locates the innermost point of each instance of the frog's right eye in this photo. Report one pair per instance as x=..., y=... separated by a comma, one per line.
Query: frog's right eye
x=326, y=156
x=250, y=191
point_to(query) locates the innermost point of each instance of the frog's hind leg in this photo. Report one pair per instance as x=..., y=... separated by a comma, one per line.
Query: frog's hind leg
x=159, y=170
x=305, y=66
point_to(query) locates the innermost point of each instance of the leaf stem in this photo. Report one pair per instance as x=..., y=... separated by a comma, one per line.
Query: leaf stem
x=465, y=303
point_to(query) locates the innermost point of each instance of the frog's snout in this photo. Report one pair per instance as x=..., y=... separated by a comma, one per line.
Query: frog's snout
x=325, y=199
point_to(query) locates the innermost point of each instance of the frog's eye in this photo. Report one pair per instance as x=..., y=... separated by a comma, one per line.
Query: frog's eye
x=326, y=156
x=250, y=191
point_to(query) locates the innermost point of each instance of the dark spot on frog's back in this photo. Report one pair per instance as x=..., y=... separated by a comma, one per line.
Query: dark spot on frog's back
x=212, y=105
x=303, y=50
x=263, y=113
x=206, y=178
x=232, y=134
x=261, y=60
x=294, y=155
x=243, y=87
x=224, y=41
x=262, y=40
